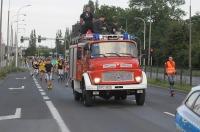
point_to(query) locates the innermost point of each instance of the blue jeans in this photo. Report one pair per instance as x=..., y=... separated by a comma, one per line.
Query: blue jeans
x=171, y=81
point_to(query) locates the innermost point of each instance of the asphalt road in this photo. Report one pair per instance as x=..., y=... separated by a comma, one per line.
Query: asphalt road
x=30, y=107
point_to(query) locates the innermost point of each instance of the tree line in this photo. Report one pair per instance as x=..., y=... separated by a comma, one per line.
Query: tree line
x=169, y=31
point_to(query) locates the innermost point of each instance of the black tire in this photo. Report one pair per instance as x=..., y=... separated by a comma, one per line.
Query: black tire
x=123, y=97
x=117, y=97
x=87, y=96
x=140, y=98
x=77, y=95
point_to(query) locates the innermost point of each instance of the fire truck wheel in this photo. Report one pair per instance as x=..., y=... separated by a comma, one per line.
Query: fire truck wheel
x=117, y=97
x=140, y=98
x=87, y=98
x=123, y=97
x=77, y=95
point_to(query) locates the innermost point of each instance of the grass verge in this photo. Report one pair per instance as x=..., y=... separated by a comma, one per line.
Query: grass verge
x=164, y=83
x=11, y=69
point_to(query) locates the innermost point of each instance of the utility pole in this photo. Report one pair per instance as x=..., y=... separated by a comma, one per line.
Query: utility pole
x=149, y=49
x=190, y=41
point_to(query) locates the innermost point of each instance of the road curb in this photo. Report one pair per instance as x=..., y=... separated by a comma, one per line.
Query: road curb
x=168, y=88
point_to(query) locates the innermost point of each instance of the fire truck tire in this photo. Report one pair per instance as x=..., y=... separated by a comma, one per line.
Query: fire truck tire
x=117, y=97
x=87, y=98
x=77, y=95
x=140, y=98
x=123, y=97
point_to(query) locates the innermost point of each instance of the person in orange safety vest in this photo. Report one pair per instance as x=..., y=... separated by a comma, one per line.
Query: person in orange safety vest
x=170, y=72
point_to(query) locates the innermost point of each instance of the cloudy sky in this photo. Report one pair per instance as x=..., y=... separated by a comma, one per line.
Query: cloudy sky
x=47, y=16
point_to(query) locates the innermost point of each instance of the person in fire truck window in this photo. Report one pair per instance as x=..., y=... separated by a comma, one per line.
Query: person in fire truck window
x=114, y=28
x=170, y=72
x=86, y=20
x=98, y=25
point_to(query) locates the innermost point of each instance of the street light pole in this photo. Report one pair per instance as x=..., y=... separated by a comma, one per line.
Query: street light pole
x=1, y=55
x=16, y=49
x=144, y=35
x=190, y=41
x=8, y=33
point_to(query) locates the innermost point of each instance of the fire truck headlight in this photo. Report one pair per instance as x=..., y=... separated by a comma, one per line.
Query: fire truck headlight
x=138, y=79
x=97, y=80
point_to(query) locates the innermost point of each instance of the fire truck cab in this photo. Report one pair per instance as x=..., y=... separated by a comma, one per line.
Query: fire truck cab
x=106, y=66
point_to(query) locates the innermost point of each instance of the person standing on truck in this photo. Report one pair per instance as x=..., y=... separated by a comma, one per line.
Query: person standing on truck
x=98, y=25
x=170, y=72
x=49, y=69
x=86, y=19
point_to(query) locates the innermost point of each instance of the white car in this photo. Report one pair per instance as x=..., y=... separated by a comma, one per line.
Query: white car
x=187, y=116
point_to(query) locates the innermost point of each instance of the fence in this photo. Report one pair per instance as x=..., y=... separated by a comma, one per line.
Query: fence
x=190, y=76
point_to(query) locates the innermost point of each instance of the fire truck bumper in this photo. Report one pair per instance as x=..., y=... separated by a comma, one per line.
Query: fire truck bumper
x=116, y=87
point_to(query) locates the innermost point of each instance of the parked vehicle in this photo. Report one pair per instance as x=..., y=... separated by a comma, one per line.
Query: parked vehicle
x=187, y=116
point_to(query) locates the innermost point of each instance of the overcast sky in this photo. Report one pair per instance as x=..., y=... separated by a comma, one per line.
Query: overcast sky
x=47, y=16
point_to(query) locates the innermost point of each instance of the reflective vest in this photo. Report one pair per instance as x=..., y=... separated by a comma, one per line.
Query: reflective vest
x=170, y=67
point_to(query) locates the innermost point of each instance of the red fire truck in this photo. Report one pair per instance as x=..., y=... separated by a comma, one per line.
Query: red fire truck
x=106, y=66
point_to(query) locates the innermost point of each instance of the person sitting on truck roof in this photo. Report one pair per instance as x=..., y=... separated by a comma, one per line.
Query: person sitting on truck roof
x=86, y=19
x=114, y=28
x=98, y=25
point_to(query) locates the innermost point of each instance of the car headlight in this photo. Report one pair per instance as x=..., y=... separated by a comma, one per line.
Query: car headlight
x=97, y=80
x=138, y=79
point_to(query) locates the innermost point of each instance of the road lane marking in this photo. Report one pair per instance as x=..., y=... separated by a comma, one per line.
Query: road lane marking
x=57, y=117
x=39, y=87
x=41, y=90
x=45, y=97
x=17, y=88
x=21, y=78
x=43, y=93
x=16, y=116
x=169, y=113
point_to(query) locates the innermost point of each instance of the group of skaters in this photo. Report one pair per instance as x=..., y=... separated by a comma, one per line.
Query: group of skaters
x=45, y=69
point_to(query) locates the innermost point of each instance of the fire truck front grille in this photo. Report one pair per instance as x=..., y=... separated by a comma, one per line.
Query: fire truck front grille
x=117, y=76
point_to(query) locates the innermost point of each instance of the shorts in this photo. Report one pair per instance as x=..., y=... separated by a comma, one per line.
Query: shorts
x=42, y=71
x=49, y=76
x=60, y=71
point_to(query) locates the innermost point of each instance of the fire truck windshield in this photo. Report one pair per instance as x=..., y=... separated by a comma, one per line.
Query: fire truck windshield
x=105, y=49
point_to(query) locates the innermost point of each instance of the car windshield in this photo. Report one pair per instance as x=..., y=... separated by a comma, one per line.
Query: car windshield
x=106, y=49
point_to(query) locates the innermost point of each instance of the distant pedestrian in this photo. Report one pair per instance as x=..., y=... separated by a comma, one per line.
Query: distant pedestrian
x=170, y=72
x=49, y=69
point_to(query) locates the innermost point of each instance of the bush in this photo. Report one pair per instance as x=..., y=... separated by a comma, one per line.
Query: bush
x=11, y=69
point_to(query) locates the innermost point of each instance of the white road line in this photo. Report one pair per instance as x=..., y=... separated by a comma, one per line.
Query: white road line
x=43, y=93
x=17, y=88
x=169, y=113
x=41, y=90
x=57, y=117
x=21, y=78
x=45, y=97
x=16, y=116
x=39, y=87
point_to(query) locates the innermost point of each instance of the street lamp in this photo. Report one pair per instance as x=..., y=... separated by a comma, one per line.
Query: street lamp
x=16, y=50
x=144, y=34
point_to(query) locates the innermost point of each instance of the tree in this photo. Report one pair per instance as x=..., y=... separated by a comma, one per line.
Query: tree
x=31, y=50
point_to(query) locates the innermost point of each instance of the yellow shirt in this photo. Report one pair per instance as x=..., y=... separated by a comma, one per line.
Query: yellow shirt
x=41, y=66
x=56, y=63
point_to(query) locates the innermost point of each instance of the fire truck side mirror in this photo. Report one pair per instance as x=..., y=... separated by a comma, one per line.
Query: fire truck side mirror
x=87, y=46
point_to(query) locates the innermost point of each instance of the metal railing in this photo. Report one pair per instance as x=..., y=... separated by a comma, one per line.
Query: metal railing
x=189, y=76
